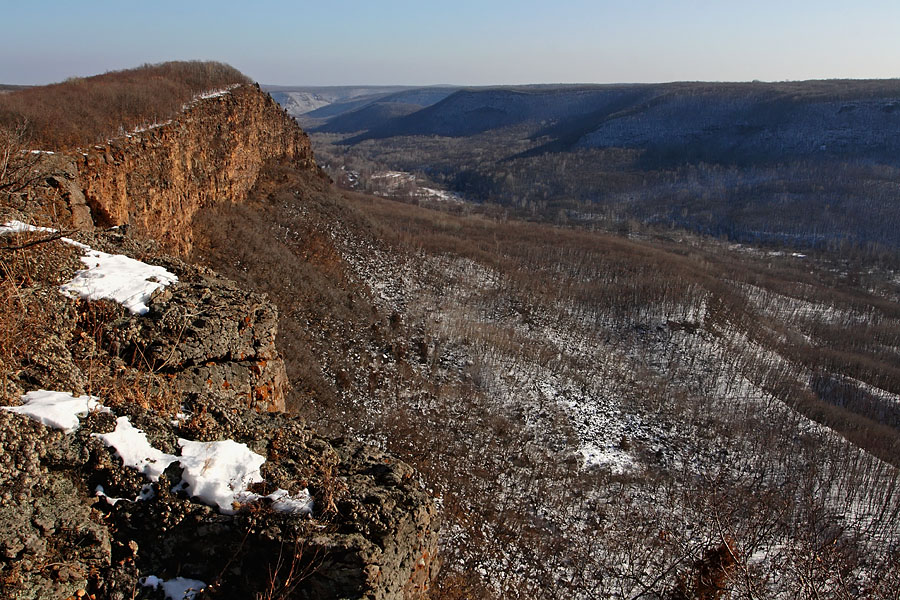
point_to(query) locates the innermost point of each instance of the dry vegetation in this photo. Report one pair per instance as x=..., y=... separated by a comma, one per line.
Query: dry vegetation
x=486, y=352
x=743, y=403
x=42, y=330
x=85, y=111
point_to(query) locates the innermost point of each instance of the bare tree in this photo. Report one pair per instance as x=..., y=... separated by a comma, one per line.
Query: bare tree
x=17, y=162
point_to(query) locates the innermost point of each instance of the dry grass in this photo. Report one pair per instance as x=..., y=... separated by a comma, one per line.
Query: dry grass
x=85, y=111
x=49, y=341
x=26, y=273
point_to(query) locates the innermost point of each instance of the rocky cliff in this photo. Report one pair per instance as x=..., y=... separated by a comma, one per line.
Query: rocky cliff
x=157, y=178
x=78, y=515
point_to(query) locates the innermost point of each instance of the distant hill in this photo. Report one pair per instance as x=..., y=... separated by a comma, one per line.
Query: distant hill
x=808, y=163
x=317, y=106
x=302, y=100
x=360, y=118
x=681, y=122
x=364, y=114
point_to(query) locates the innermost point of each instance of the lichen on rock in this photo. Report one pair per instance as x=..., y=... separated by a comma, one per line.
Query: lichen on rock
x=200, y=364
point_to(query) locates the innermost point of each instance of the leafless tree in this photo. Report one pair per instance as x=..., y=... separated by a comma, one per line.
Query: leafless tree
x=17, y=162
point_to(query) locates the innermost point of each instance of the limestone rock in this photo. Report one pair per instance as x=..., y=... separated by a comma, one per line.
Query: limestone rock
x=210, y=336
x=157, y=179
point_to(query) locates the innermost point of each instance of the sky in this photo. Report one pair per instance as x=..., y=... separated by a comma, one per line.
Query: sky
x=461, y=42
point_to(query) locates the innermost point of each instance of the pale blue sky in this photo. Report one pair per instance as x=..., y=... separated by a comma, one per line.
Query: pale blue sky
x=458, y=41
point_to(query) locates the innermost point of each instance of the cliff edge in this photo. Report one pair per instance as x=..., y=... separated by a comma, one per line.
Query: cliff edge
x=171, y=385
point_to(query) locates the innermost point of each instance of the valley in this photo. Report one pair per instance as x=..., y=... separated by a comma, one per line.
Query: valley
x=597, y=416
x=536, y=342
x=801, y=164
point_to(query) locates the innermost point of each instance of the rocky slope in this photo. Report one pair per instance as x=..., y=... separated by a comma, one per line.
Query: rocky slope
x=157, y=178
x=199, y=366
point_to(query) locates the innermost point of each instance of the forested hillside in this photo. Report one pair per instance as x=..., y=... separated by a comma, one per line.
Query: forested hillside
x=599, y=417
x=802, y=164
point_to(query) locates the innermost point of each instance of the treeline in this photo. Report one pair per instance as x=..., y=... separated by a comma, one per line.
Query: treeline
x=826, y=202
x=86, y=110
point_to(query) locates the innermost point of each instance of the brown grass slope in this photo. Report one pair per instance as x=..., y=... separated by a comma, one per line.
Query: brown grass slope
x=85, y=110
x=363, y=367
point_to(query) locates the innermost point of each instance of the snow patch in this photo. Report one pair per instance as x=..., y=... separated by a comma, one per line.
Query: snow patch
x=20, y=227
x=132, y=447
x=615, y=460
x=144, y=128
x=282, y=501
x=101, y=493
x=59, y=410
x=117, y=277
x=218, y=473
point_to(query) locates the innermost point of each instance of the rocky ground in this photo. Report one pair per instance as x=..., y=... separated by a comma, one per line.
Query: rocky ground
x=200, y=365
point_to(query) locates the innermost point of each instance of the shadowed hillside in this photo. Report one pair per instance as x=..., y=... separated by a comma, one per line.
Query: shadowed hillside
x=797, y=164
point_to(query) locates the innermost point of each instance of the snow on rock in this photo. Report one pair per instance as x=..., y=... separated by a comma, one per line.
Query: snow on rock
x=101, y=493
x=135, y=451
x=213, y=94
x=208, y=95
x=20, y=227
x=151, y=126
x=117, y=277
x=147, y=493
x=179, y=588
x=218, y=473
x=59, y=410
x=282, y=501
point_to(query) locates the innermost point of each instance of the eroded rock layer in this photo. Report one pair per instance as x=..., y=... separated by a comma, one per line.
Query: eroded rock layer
x=157, y=178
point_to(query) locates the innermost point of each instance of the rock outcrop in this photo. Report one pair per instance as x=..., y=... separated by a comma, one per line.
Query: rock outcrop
x=209, y=335
x=70, y=519
x=156, y=179
x=200, y=365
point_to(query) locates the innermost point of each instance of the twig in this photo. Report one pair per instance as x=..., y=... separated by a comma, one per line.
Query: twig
x=50, y=238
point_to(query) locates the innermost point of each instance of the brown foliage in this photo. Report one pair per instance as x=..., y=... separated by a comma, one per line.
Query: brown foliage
x=16, y=164
x=84, y=111
x=709, y=577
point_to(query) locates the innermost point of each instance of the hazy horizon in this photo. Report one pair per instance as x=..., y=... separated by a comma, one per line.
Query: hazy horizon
x=563, y=83
x=465, y=43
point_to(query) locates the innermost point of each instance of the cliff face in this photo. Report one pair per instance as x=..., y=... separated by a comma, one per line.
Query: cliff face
x=157, y=179
x=200, y=365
